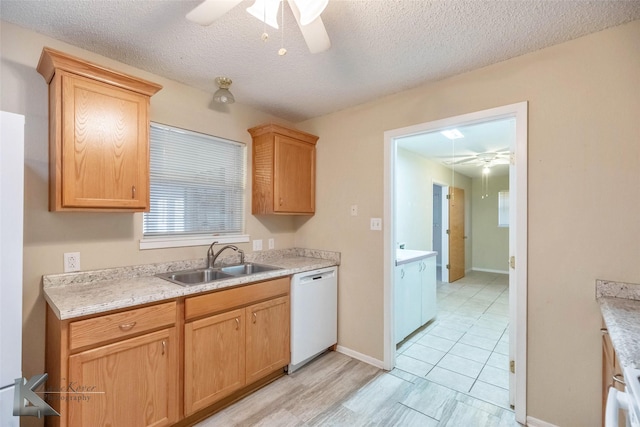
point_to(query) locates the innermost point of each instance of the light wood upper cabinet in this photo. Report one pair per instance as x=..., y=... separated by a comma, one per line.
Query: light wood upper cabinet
x=284, y=171
x=98, y=136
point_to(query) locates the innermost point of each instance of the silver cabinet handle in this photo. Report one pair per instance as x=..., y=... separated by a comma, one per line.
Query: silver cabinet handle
x=617, y=378
x=255, y=317
x=164, y=346
x=604, y=330
x=237, y=323
x=402, y=273
x=133, y=191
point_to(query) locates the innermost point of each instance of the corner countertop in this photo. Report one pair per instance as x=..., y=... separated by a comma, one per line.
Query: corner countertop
x=85, y=293
x=620, y=307
x=404, y=256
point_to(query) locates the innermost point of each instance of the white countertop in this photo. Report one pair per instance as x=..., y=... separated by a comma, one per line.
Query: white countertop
x=404, y=256
x=73, y=295
x=620, y=307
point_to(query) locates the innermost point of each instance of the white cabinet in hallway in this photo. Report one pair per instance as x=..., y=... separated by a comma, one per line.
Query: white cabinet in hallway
x=414, y=291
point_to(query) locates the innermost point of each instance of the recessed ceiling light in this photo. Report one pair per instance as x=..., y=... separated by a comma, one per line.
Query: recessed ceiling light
x=452, y=134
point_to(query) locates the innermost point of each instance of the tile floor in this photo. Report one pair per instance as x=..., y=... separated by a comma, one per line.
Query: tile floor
x=466, y=348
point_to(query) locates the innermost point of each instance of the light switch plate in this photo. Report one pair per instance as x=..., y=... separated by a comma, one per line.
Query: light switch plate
x=272, y=243
x=354, y=210
x=257, y=245
x=376, y=224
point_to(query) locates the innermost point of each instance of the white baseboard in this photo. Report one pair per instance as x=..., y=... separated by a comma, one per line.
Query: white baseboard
x=361, y=357
x=488, y=270
x=534, y=422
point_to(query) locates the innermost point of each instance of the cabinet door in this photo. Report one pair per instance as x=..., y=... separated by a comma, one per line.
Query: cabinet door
x=294, y=176
x=214, y=358
x=267, y=337
x=409, y=306
x=132, y=383
x=429, y=290
x=105, y=140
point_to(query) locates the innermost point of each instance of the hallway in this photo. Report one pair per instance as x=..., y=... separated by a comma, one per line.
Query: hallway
x=466, y=348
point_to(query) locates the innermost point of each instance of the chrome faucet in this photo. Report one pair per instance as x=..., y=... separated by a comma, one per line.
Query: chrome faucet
x=211, y=257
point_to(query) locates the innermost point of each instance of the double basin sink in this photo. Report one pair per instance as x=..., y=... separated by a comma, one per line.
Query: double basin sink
x=207, y=275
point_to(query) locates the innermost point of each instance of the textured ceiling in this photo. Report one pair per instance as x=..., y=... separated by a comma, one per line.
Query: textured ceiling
x=378, y=47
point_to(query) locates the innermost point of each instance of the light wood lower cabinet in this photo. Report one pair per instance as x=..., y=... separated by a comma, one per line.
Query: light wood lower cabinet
x=267, y=337
x=611, y=371
x=214, y=359
x=169, y=363
x=116, y=369
x=240, y=343
x=132, y=383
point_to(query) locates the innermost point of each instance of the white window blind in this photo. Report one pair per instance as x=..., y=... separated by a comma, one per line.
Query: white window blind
x=503, y=209
x=197, y=184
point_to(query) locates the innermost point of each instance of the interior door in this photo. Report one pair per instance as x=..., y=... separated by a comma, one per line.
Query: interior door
x=456, y=234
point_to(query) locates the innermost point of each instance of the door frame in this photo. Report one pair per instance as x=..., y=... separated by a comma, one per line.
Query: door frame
x=444, y=237
x=517, y=236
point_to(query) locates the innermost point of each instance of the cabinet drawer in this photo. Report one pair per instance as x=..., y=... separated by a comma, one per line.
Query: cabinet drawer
x=235, y=297
x=119, y=325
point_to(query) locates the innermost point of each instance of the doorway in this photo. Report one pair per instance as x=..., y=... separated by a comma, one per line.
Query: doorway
x=517, y=237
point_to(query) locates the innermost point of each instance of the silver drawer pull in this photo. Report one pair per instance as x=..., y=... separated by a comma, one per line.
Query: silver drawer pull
x=617, y=378
x=127, y=326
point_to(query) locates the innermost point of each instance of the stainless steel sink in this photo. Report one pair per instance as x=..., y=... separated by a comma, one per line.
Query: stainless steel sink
x=195, y=277
x=247, y=268
x=206, y=275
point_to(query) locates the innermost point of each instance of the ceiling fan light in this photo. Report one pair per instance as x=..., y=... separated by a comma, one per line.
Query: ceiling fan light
x=486, y=170
x=223, y=95
x=266, y=11
x=310, y=10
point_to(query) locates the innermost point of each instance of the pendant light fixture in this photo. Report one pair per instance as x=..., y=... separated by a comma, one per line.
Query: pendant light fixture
x=222, y=95
x=486, y=170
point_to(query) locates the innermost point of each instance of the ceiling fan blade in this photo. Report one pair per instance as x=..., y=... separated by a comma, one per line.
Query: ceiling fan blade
x=210, y=10
x=314, y=33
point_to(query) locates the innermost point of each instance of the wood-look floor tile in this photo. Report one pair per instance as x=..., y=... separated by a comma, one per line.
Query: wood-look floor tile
x=430, y=399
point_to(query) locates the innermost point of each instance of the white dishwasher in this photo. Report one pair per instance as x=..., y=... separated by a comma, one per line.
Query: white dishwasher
x=314, y=314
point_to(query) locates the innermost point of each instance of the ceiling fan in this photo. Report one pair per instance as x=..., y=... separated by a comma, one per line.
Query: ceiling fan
x=306, y=12
x=488, y=159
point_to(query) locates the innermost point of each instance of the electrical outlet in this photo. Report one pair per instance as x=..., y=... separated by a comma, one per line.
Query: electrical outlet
x=257, y=245
x=71, y=262
x=272, y=243
x=376, y=224
x=354, y=210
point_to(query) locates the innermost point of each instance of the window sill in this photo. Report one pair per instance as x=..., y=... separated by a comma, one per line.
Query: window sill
x=183, y=241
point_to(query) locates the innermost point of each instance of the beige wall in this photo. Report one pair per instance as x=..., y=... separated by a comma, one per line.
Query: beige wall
x=584, y=200
x=489, y=243
x=415, y=176
x=103, y=240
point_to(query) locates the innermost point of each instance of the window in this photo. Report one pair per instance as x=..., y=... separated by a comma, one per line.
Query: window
x=503, y=208
x=197, y=185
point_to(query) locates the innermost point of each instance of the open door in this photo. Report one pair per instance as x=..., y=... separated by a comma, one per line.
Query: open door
x=456, y=234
